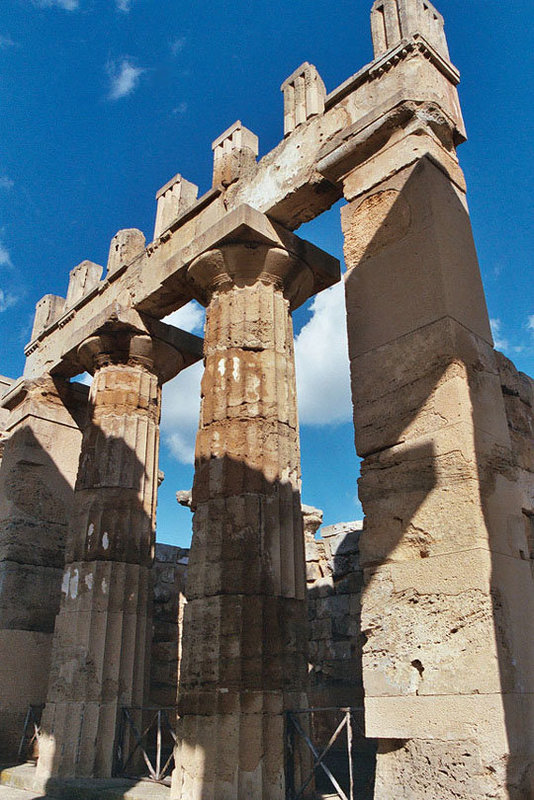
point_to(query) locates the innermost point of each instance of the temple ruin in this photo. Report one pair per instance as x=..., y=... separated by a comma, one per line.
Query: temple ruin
x=423, y=615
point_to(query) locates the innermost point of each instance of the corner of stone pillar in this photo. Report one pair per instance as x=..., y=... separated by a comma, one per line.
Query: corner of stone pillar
x=47, y=310
x=173, y=199
x=304, y=96
x=124, y=247
x=82, y=280
x=234, y=154
x=395, y=20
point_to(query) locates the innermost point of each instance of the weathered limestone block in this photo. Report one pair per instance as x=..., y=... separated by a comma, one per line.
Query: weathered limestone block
x=5, y=383
x=446, y=586
x=245, y=628
x=169, y=576
x=124, y=247
x=83, y=279
x=36, y=492
x=48, y=309
x=304, y=96
x=174, y=198
x=395, y=20
x=102, y=634
x=234, y=154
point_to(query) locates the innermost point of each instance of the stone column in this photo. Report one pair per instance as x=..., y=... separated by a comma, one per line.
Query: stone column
x=101, y=638
x=448, y=660
x=41, y=449
x=244, y=649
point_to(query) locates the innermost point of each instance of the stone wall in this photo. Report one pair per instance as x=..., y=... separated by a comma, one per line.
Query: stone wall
x=518, y=391
x=169, y=574
x=334, y=605
x=5, y=383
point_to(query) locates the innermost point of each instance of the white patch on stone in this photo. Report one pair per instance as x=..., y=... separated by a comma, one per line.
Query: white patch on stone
x=104, y=586
x=222, y=367
x=89, y=580
x=74, y=584
x=235, y=371
x=105, y=541
x=90, y=531
x=65, y=582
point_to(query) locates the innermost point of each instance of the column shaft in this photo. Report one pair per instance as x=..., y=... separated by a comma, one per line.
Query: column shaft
x=244, y=648
x=102, y=634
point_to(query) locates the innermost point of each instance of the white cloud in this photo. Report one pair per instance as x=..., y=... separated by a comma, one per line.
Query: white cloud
x=68, y=5
x=180, y=413
x=6, y=41
x=322, y=362
x=6, y=300
x=177, y=45
x=180, y=109
x=530, y=323
x=181, y=396
x=500, y=341
x=124, y=77
x=5, y=258
x=124, y=5
x=189, y=318
x=6, y=183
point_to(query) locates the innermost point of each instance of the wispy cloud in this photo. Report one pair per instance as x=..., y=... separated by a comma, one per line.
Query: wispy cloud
x=180, y=109
x=181, y=396
x=6, y=183
x=189, y=318
x=499, y=340
x=530, y=322
x=67, y=5
x=322, y=362
x=502, y=342
x=6, y=42
x=6, y=300
x=5, y=257
x=177, y=45
x=124, y=78
x=124, y=5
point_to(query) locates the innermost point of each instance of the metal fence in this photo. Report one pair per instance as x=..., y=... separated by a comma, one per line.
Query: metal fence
x=29, y=743
x=145, y=743
x=327, y=754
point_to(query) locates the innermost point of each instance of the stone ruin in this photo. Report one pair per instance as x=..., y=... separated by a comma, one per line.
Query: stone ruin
x=437, y=640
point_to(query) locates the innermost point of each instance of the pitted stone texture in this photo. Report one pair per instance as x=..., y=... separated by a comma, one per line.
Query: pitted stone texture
x=395, y=20
x=234, y=154
x=173, y=199
x=124, y=247
x=83, y=279
x=102, y=634
x=36, y=494
x=245, y=630
x=304, y=96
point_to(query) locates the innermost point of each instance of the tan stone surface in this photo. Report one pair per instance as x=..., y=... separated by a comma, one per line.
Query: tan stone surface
x=103, y=630
x=36, y=492
x=244, y=646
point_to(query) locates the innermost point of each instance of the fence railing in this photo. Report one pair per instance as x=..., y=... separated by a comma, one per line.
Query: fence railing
x=29, y=743
x=145, y=743
x=339, y=759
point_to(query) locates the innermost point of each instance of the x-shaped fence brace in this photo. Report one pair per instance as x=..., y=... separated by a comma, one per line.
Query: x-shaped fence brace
x=31, y=731
x=293, y=725
x=158, y=722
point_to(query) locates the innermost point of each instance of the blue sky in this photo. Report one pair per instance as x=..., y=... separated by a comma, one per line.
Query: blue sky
x=102, y=101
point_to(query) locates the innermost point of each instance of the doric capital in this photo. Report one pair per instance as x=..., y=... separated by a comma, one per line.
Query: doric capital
x=245, y=264
x=164, y=355
x=246, y=247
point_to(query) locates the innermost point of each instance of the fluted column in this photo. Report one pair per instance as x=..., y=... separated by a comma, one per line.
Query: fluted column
x=101, y=639
x=244, y=648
